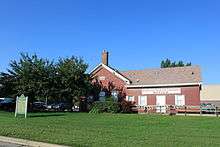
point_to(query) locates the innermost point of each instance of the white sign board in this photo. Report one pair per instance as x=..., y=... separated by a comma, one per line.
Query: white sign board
x=21, y=105
x=161, y=91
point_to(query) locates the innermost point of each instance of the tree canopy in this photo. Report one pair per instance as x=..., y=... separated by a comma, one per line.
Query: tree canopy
x=39, y=78
x=168, y=63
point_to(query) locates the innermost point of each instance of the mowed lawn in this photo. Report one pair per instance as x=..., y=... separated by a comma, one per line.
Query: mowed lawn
x=82, y=129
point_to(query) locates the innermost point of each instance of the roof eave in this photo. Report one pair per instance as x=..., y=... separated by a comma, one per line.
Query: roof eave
x=112, y=71
x=164, y=85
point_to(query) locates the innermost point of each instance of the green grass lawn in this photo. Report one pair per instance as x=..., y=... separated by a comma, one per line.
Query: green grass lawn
x=82, y=129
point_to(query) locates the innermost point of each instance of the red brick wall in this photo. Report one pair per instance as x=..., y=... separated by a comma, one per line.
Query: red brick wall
x=192, y=96
x=109, y=77
x=192, y=93
x=170, y=99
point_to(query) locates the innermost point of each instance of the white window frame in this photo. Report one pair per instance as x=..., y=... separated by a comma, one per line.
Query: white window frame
x=102, y=78
x=132, y=98
x=180, y=100
x=145, y=100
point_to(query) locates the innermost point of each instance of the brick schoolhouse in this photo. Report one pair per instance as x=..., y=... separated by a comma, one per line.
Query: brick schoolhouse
x=160, y=87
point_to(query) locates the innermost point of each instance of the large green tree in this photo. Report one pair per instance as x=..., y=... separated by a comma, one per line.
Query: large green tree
x=28, y=76
x=6, y=85
x=168, y=63
x=73, y=82
x=41, y=79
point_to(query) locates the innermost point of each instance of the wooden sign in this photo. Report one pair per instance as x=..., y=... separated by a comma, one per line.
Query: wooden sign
x=21, y=105
x=162, y=91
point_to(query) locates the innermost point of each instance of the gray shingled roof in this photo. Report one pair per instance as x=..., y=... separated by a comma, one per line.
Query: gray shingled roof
x=188, y=74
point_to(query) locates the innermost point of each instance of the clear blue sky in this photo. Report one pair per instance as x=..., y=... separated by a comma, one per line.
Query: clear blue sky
x=137, y=33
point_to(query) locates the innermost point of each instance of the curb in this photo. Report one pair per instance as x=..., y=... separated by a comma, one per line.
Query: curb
x=27, y=142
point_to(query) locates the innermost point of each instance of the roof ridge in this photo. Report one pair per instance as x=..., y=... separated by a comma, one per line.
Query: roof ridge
x=147, y=69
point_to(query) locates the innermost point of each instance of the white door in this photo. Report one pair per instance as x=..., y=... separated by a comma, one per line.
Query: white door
x=160, y=103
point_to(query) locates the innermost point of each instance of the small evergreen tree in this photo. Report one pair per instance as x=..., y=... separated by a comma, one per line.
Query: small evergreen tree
x=168, y=63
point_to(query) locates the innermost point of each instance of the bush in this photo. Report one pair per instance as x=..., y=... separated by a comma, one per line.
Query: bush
x=125, y=107
x=107, y=106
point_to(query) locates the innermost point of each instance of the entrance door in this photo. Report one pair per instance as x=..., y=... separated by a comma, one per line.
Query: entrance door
x=160, y=104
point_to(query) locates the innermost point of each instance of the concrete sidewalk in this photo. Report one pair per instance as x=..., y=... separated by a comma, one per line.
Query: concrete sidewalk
x=24, y=142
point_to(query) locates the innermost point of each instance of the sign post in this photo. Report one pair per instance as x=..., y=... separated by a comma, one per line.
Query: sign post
x=21, y=105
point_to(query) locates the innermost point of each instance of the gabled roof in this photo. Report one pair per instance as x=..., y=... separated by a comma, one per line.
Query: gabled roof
x=174, y=76
x=188, y=75
x=112, y=70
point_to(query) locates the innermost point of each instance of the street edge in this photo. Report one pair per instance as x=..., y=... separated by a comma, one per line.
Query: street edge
x=27, y=142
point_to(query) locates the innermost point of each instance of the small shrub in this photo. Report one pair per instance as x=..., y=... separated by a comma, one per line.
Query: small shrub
x=107, y=106
x=112, y=107
x=125, y=107
x=109, y=99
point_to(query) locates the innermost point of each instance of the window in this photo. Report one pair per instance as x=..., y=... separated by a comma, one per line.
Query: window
x=142, y=100
x=102, y=96
x=102, y=78
x=114, y=94
x=130, y=98
x=180, y=100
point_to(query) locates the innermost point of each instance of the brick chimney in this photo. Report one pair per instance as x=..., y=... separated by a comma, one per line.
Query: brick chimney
x=105, y=57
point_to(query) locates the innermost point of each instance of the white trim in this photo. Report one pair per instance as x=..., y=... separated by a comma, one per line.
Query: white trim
x=95, y=68
x=112, y=71
x=26, y=107
x=16, y=107
x=164, y=85
x=139, y=97
x=117, y=74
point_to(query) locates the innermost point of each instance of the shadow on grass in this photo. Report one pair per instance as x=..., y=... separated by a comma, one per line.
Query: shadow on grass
x=46, y=115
